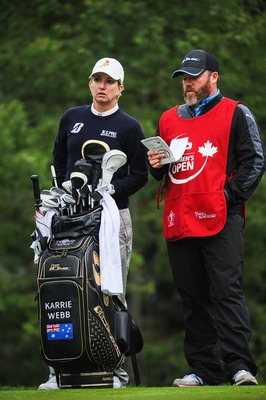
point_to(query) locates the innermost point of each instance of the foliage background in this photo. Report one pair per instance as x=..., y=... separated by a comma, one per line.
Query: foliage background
x=47, y=51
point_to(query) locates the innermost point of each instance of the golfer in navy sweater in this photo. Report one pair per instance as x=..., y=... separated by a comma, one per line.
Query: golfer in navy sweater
x=103, y=120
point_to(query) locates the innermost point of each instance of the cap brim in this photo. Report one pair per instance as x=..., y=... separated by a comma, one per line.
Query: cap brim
x=188, y=70
x=111, y=74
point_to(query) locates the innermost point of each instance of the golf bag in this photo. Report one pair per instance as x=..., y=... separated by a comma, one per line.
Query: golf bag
x=85, y=333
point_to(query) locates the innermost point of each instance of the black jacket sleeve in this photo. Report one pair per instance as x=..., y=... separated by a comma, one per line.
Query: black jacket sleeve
x=246, y=157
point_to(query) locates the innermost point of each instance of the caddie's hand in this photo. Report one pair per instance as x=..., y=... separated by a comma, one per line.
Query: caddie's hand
x=155, y=159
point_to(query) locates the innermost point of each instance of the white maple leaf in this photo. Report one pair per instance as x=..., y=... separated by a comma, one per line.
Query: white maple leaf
x=208, y=149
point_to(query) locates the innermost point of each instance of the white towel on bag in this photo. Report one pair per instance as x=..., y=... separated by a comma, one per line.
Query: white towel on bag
x=109, y=249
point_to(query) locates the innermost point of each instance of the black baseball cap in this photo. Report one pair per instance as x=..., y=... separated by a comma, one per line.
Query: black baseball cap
x=196, y=62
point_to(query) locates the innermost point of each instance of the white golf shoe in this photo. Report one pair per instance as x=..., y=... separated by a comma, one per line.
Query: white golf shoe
x=243, y=377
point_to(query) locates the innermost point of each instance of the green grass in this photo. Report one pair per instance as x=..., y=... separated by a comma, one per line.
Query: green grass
x=141, y=393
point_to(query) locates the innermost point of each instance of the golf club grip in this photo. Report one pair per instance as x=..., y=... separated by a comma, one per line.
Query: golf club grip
x=36, y=190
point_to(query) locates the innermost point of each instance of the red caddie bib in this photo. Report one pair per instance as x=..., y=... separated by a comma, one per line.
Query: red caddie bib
x=195, y=203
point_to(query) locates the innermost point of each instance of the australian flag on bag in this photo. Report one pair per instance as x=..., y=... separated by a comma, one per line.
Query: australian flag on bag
x=59, y=331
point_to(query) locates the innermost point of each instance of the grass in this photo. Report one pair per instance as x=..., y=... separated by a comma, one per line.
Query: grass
x=144, y=393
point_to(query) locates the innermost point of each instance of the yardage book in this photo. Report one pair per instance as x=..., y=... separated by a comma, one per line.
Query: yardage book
x=172, y=153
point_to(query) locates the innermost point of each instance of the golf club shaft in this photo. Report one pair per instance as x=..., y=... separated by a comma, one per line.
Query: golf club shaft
x=54, y=176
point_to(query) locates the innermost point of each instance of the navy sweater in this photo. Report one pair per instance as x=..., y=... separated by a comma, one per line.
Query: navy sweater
x=119, y=130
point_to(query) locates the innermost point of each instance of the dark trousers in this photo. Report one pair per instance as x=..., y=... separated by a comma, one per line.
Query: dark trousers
x=208, y=274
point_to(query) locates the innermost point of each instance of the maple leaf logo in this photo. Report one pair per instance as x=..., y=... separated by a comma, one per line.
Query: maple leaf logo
x=208, y=150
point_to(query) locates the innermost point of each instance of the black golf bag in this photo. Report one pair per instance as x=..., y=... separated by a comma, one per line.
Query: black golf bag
x=85, y=334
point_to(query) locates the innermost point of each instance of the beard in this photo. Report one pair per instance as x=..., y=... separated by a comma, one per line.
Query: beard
x=193, y=97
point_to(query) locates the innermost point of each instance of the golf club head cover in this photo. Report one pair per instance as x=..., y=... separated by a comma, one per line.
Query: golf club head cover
x=93, y=151
x=78, y=181
x=86, y=167
x=111, y=162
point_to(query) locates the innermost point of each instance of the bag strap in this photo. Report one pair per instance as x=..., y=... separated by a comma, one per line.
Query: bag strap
x=135, y=367
x=136, y=345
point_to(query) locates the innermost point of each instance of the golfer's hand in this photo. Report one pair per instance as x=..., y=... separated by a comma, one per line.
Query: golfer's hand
x=155, y=159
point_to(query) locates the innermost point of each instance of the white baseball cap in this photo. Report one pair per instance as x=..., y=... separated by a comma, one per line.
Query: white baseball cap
x=109, y=66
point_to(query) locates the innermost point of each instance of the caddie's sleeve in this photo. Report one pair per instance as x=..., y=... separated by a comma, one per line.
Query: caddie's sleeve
x=249, y=155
